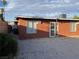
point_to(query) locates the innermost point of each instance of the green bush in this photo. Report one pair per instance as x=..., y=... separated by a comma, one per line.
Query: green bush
x=8, y=45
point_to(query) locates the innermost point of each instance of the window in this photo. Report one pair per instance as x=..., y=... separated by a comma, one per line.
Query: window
x=73, y=27
x=31, y=27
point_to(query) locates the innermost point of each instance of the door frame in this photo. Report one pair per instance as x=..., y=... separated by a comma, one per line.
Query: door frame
x=55, y=29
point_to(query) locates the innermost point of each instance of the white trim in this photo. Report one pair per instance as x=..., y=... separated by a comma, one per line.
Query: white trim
x=72, y=27
x=77, y=23
x=57, y=27
x=75, y=26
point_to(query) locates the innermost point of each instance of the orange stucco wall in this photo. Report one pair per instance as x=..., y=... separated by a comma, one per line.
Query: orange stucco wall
x=65, y=30
x=42, y=29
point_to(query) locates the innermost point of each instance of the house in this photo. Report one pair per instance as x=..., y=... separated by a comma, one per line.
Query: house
x=41, y=27
x=3, y=24
x=3, y=27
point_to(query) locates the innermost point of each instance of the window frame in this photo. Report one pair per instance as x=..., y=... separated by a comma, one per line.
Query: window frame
x=31, y=27
x=73, y=26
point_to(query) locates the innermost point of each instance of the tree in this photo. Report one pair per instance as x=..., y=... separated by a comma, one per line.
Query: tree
x=2, y=10
x=4, y=2
x=76, y=17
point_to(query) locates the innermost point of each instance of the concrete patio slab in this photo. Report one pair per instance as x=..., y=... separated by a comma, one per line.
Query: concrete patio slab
x=49, y=48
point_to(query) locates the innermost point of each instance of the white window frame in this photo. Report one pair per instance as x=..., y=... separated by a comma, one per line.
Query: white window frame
x=73, y=26
x=31, y=27
x=54, y=29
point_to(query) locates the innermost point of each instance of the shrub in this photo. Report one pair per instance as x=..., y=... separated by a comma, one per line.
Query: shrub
x=8, y=45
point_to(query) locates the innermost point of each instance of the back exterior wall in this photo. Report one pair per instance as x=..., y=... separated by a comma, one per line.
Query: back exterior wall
x=65, y=30
x=42, y=29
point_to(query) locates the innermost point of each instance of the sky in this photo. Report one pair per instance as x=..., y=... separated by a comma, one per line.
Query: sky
x=40, y=8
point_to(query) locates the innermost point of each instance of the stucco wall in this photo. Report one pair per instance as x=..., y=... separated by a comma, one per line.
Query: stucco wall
x=65, y=30
x=42, y=29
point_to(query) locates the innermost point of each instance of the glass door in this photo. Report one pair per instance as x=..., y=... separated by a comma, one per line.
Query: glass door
x=52, y=29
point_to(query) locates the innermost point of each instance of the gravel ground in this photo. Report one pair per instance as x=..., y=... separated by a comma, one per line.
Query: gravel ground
x=49, y=48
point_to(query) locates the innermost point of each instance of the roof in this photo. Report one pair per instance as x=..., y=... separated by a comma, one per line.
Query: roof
x=53, y=19
x=33, y=18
